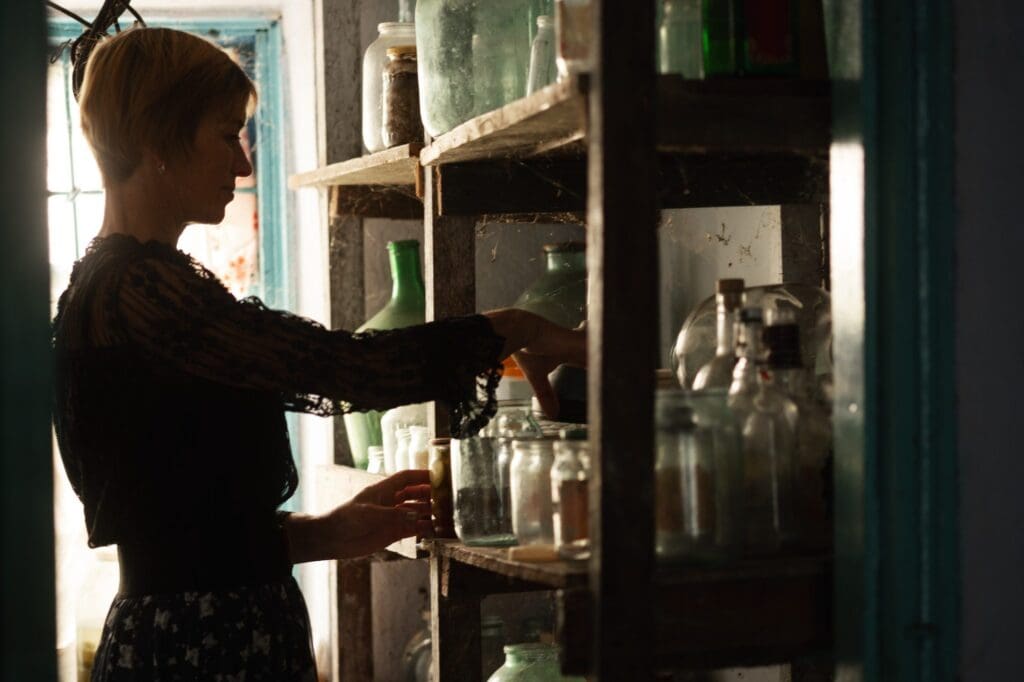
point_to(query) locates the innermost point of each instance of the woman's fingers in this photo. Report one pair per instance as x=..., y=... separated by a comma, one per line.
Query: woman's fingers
x=413, y=492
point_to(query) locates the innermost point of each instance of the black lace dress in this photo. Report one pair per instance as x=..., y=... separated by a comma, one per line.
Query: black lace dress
x=169, y=412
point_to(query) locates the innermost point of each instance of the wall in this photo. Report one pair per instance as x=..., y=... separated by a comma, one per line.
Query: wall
x=990, y=370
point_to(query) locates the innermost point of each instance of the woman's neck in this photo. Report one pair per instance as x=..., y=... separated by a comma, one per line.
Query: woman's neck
x=134, y=207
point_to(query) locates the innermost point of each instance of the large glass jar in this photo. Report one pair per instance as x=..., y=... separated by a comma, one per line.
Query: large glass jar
x=391, y=34
x=474, y=56
x=405, y=309
x=697, y=340
x=530, y=476
x=535, y=662
x=480, y=514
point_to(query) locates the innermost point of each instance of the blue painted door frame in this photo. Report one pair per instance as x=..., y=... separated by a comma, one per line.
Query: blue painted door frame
x=897, y=545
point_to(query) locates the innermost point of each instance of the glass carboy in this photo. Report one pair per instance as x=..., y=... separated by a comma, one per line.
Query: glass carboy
x=534, y=662
x=391, y=34
x=474, y=56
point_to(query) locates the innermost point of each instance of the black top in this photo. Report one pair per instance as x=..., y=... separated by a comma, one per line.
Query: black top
x=170, y=393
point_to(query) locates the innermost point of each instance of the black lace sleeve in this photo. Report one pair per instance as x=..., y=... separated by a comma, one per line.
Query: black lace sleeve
x=178, y=313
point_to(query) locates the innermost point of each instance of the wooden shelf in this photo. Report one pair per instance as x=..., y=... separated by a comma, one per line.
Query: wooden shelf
x=552, y=574
x=394, y=166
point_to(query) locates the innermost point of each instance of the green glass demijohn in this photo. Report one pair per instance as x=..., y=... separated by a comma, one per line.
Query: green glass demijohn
x=560, y=294
x=534, y=662
x=405, y=309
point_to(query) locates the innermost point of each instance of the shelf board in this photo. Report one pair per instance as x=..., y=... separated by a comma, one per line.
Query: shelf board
x=550, y=574
x=395, y=166
x=335, y=484
x=734, y=117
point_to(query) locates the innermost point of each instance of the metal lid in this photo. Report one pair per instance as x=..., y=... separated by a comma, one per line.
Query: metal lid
x=730, y=286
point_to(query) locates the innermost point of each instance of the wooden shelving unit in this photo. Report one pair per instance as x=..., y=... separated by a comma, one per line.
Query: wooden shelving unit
x=662, y=142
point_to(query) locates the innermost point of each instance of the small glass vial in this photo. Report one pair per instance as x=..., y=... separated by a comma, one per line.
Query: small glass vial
x=570, y=478
x=530, y=476
x=441, y=499
x=542, y=56
x=400, y=98
x=375, y=463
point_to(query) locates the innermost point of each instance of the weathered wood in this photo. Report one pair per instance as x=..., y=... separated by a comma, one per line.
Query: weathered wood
x=550, y=118
x=574, y=612
x=336, y=485
x=623, y=336
x=803, y=253
x=355, y=620
x=378, y=201
x=449, y=254
x=454, y=625
x=512, y=186
x=555, y=574
x=394, y=166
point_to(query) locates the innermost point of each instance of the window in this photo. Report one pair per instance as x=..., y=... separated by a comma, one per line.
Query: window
x=248, y=251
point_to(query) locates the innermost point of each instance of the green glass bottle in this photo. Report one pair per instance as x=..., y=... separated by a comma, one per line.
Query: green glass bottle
x=405, y=309
x=720, y=37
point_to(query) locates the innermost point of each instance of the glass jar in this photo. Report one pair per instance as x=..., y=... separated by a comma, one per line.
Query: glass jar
x=441, y=501
x=679, y=39
x=403, y=416
x=697, y=340
x=418, y=455
x=390, y=34
x=534, y=662
x=375, y=454
x=570, y=480
x=530, y=478
x=673, y=468
x=718, y=448
x=480, y=513
x=474, y=56
x=542, y=56
x=400, y=103
x=402, y=436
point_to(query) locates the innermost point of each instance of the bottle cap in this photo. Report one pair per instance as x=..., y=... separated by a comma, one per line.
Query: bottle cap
x=729, y=286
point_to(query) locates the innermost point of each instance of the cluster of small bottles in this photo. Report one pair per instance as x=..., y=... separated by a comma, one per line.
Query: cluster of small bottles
x=742, y=458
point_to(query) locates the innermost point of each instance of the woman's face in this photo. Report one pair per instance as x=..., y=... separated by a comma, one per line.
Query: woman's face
x=205, y=181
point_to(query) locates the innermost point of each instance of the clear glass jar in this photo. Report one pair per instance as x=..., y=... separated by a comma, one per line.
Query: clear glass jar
x=403, y=437
x=697, y=340
x=715, y=527
x=400, y=98
x=418, y=455
x=474, y=56
x=679, y=39
x=674, y=467
x=530, y=476
x=543, y=70
x=480, y=512
x=390, y=34
x=570, y=480
x=534, y=662
x=375, y=465
x=441, y=500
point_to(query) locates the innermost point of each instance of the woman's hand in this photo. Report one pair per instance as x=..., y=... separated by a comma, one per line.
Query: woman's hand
x=395, y=508
x=538, y=347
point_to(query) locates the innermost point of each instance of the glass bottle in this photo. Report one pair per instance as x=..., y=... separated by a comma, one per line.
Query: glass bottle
x=474, y=56
x=769, y=45
x=533, y=662
x=530, y=478
x=390, y=34
x=375, y=457
x=720, y=37
x=718, y=372
x=404, y=416
x=406, y=10
x=405, y=309
x=418, y=455
x=673, y=471
x=813, y=430
x=570, y=481
x=403, y=437
x=679, y=39
x=441, y=498
x=718, y=447
x=400, y=98
x=745, y=375
x=769, y=451
x=542, y=56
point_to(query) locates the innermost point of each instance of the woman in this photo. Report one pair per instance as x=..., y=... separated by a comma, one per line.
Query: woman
x=171, y=394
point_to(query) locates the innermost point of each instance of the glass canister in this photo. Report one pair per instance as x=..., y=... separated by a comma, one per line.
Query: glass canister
x=534, y=662
x=570, y=480
x=390, y=34
x=474, y=56
x=480, y=513
x=400, y=101
x=441, y=498
x=530, y=477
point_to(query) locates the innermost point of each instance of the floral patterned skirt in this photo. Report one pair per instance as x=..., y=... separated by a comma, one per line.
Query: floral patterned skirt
x=245, y=634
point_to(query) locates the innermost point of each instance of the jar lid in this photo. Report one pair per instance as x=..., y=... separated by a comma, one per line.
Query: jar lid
x=729, y=286
x=402, y=52
x=440, y=441
x=565, y=247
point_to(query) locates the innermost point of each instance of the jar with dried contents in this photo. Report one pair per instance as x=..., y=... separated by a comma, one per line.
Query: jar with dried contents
x=570, y=476
x=441, y=498
x=400, y=98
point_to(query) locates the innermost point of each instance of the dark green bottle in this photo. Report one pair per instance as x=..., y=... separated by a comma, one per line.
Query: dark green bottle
x=720, y=37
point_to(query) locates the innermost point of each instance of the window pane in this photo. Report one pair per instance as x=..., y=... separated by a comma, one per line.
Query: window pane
x=89, y=211
x=87, y=173
x=61, y=219
x=58, y=146
x=231, y=249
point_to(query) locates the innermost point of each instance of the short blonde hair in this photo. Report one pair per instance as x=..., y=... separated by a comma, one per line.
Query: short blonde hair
x=150, y=88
